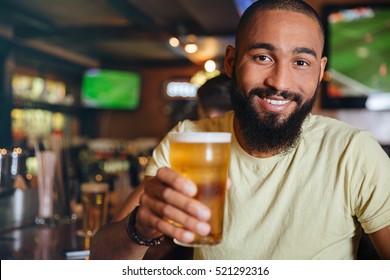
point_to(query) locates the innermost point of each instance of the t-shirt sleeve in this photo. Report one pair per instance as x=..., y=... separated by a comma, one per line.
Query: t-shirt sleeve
x=370, y=187
x=160, y=157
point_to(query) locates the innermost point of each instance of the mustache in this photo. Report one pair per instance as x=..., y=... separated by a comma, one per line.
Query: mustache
x=268, y=92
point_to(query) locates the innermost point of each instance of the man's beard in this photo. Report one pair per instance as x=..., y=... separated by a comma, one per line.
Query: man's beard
x=267, y=133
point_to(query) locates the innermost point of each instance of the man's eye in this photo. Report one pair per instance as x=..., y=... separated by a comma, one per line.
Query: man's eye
x=262, y=58
x=302, y=63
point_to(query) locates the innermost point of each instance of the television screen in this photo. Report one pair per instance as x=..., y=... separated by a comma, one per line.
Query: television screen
x=358, y=50
x=110, y=89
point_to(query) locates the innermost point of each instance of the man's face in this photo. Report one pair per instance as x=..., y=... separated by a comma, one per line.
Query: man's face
x=278, y=67
x=265, y=134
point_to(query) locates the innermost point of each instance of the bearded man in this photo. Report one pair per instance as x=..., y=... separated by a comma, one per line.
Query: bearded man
x=302, y=186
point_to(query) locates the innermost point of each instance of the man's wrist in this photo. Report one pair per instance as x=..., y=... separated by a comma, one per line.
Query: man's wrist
x=133, y=234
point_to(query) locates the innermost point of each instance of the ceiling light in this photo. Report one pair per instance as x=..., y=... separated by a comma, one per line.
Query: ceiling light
x=174, y=42
x=210, y=65
x=191, y=48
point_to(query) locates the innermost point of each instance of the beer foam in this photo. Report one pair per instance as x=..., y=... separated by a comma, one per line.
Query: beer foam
x=94, y=187
x=200, y=137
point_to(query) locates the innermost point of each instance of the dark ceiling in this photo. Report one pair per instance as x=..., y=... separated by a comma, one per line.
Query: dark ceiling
x=135, y=33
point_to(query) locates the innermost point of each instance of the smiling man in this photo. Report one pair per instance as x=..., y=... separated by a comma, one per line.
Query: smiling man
x=279, y=64
x=302, y=186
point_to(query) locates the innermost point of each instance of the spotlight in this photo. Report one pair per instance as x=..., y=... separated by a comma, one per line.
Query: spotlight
x=191, y=48
x=210, y=66
x=174, y=42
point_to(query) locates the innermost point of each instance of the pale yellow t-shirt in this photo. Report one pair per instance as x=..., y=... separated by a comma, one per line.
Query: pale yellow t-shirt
x=307, y=204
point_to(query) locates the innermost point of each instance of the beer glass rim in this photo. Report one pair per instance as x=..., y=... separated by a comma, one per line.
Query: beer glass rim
x=94, y=187
x=200, y=137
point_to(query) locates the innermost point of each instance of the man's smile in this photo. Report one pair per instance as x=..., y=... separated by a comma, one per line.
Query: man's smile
x=276, y=102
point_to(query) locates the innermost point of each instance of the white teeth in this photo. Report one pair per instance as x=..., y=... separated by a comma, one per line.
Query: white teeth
x=276, y=102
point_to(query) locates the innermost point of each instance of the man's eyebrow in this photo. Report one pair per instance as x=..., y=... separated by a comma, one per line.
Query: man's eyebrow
x=265, y=46
x=305, y=50
x=271, y=47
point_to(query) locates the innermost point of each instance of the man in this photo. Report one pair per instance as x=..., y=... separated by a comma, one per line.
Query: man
x=214, y=97
x=302, y=186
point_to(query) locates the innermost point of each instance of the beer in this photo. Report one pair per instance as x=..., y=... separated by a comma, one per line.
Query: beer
x=204, y=158
x=94, y=197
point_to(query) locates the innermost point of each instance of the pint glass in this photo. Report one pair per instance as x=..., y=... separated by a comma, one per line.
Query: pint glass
x=204, y=157
x=94, y=198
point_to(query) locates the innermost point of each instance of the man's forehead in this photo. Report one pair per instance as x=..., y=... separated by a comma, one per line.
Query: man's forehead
x=270, y=22
x=280, y=14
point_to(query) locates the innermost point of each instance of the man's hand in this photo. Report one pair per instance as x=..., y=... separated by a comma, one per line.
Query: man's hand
x=167, y=207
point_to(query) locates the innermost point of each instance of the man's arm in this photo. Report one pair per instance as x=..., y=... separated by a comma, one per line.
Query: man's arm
x=381, y=241
x=112, y=241
x=162, y=199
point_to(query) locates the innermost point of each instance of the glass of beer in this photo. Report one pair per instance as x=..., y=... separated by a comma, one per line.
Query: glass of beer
x=204, y=157
x=94, y=198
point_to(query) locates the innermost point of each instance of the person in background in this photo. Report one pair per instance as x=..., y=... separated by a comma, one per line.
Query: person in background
x=303, y=186
x=214, y=97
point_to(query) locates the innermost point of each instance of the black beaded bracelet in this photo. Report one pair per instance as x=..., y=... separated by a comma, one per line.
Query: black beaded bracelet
x=132, y=233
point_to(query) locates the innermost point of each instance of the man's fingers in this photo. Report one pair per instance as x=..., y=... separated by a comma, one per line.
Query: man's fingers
x=167, y=206
x=180, y=218
x=148, y=220
x=177, y=215
x=176, y=181
x=177, y=199
x=189, y=205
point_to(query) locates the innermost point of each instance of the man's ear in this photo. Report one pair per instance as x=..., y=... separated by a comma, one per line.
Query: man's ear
x=324, y=60
x=230, y=56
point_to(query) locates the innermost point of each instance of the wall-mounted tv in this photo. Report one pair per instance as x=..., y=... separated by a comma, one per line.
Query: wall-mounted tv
x=110, y=89
x=358, y=50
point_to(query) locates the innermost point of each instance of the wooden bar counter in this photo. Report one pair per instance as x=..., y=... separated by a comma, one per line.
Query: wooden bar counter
x=43, y=242
x=60, y=242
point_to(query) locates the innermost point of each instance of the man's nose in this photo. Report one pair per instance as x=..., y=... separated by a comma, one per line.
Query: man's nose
x=279, y=78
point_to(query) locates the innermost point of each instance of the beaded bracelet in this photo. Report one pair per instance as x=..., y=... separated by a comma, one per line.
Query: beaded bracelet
x=132, y=233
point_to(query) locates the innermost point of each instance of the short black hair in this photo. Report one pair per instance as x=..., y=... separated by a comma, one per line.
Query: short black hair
x=215, y=94
x=298, y=6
